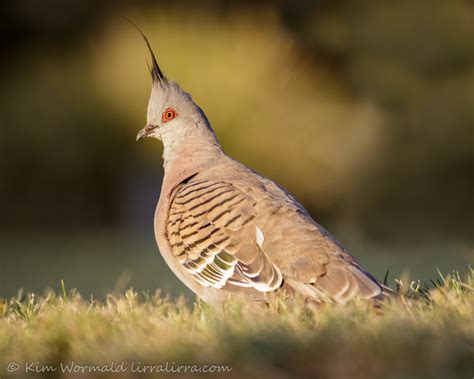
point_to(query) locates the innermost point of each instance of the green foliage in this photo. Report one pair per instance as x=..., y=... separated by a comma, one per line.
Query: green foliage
x=427, y=334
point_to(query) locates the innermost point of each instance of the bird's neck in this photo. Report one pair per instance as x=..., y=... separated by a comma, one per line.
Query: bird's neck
x=187, y=154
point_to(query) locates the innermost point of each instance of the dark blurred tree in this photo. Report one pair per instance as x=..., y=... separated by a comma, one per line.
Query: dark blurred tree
x=416, y=61
x=61, y=155
x=47, y=23
x=413, y=59
x=59, y=167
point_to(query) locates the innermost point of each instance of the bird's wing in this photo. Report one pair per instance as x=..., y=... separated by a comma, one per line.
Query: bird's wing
x=251, y=238
x=211, y=232
x=311, y=260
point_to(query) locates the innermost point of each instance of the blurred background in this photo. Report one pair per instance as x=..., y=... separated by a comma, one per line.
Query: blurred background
x=364, y=110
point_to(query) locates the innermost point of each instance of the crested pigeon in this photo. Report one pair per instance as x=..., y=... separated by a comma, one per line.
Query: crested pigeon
x=225, y=230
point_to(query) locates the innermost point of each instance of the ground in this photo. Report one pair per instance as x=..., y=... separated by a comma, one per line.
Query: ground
x=429, y=333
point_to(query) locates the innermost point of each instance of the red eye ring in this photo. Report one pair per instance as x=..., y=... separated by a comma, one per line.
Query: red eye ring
x=168, y=115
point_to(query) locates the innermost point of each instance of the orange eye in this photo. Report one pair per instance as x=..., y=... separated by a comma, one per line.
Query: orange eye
x=168, y=114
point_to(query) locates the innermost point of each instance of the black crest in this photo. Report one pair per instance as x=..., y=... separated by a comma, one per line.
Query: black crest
x=155, y=71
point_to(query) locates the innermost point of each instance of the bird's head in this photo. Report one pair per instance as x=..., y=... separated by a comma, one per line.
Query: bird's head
x=172, y=114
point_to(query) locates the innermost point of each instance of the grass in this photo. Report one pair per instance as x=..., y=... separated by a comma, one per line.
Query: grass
x=428, y=334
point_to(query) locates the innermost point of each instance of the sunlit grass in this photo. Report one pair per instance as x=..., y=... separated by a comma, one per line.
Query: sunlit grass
x=428, y=333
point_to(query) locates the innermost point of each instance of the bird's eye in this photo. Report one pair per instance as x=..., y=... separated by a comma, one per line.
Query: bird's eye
x=168, y=114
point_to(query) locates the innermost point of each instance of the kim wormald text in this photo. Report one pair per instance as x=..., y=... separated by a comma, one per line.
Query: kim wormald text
x=124, y=366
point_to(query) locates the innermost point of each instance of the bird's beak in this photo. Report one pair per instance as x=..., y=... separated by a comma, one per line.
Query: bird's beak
x=145, y=132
